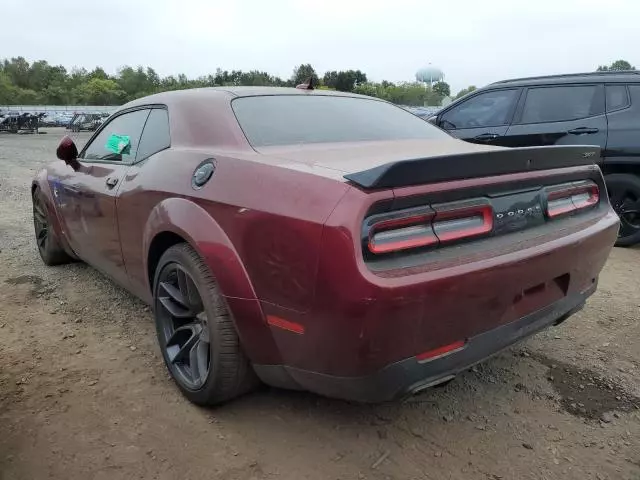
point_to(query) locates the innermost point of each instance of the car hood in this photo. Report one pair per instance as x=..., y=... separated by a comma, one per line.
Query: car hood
x=353, y=157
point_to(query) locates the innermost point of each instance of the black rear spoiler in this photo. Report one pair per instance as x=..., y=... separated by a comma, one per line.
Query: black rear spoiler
x=418, y=171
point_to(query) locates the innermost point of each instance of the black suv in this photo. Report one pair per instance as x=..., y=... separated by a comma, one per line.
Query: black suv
x=600, y=108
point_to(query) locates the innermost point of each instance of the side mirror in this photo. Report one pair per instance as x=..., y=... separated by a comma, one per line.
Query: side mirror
x=433, y=120
x=68, y=152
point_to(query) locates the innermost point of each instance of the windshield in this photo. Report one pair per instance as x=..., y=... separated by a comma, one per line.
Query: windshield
x=298, y=119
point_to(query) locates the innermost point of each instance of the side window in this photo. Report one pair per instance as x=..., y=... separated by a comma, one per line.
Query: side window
x=155, y=136
x=489, y=109
x=129, y=124
x=561, y=104
x=634, y=90
x=617, y=97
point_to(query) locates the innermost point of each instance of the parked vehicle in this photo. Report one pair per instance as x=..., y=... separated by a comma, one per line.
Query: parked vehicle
x=422, y=112
x=321, y=240
x=86, y=121
x=599, y=108
x=15, y=122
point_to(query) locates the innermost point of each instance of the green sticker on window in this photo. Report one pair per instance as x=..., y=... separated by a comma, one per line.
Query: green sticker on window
x=120, y=144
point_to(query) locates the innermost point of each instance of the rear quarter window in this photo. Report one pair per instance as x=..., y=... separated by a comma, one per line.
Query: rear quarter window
x=301, y=119
x=155, y=136
x=617, y=97
x=562, y=103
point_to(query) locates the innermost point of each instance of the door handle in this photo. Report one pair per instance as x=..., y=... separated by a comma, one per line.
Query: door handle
x=111, y=182
x=583, y=131
x=486, y=137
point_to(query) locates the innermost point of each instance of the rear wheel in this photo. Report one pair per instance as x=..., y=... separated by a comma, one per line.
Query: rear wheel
x=197, y=336
x=624, y=195
x=48, y=244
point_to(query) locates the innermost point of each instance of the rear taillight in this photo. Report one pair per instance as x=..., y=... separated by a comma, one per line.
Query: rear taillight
x=412, y=230
x=462, y=220
x=565, y=199
x=443, y=224
x=429, y=227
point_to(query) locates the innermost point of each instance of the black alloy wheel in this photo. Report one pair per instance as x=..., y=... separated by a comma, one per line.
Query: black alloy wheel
x=40, y=223
x=184, y=325
x=49, y=247
x=196, y=331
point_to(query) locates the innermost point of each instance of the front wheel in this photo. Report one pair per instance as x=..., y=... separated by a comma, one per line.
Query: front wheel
x=48, y=244
x=197, y=335
x=624, y=195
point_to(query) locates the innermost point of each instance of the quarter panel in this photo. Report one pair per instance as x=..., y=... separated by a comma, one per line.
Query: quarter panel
x=267, y=217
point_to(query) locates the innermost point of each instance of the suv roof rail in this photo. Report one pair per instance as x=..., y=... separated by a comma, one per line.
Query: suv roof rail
x=569, y=75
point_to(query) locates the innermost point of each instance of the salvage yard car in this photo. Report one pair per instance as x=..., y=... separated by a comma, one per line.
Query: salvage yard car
x=321, y=240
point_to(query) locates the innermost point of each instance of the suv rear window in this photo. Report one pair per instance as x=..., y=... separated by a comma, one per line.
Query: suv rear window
x=299, y=119
x=561, y=104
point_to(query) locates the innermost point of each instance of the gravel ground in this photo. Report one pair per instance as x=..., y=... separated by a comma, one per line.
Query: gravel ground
x=84, y=393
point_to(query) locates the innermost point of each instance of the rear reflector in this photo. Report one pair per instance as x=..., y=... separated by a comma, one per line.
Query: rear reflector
x=571, y=198
x=441, y=351
x=285, y=324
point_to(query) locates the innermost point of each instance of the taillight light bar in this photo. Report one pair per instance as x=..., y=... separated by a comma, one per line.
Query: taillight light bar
x=454, y=223
x=426, y=226
x=401, y=233
x=569, y=198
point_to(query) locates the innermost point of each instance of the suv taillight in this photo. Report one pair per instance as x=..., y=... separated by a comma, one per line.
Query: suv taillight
x=565, y=199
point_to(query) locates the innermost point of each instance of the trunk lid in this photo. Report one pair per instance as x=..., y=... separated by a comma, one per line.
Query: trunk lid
x=401, y=163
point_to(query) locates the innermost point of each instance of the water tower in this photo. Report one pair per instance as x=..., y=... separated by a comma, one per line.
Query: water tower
x=429, y=75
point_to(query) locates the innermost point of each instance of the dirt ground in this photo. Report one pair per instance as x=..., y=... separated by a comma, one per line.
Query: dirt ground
x=84, y=393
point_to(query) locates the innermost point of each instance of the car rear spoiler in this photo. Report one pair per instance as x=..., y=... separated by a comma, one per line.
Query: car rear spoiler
x=417, y=171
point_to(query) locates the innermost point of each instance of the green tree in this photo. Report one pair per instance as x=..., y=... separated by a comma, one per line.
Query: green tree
x=302, y=73
x=465, y=91
x=618, y=65
x=98, y=72
x=330, y=78
x=8, y=91
x=18, y=71
x=346, y=81
x=100, y=92
x=39, y=75
x=442, y=88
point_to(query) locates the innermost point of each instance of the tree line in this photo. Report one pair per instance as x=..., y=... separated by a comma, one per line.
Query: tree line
x=39, y=83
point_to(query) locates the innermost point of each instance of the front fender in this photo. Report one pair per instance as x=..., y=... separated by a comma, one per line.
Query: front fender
x=41, y=180
x=191, y=222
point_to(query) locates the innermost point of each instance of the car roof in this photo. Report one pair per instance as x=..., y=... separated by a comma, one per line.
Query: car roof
x=589, y=77
x=203, y=117
x=226, y=93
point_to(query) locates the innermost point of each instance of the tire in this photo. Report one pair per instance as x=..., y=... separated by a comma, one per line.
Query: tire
x=228, y=371
x=624, y=192
x=47, y=241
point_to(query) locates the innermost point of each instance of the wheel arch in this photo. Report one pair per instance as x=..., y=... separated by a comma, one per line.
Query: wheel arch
x=177, y=220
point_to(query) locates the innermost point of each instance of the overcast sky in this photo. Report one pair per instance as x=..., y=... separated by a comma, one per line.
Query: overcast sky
x=473, y=42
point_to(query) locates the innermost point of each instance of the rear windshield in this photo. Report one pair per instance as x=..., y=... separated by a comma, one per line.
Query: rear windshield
x=298, y=119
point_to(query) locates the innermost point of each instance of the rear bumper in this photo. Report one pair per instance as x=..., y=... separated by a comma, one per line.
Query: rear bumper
x=409, y=375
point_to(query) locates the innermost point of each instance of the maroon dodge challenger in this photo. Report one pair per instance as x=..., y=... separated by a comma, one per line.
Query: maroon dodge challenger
x=323, y=241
